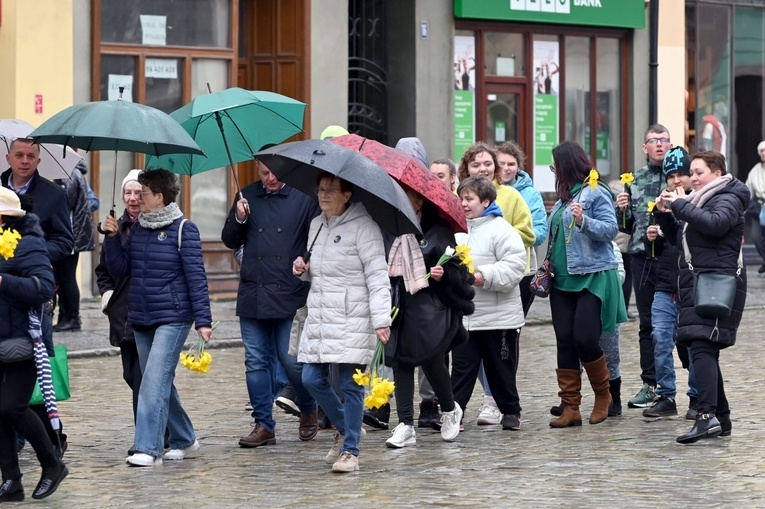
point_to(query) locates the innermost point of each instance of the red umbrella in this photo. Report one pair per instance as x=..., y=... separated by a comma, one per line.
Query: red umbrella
x=409, y=172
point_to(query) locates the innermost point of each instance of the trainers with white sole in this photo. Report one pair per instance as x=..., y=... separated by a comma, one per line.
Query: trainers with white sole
x=450, y=423
x=489, y=414
x=140, y=459
x=346, y=462
x=179, y=454
x=402, y=436
x=334, y=451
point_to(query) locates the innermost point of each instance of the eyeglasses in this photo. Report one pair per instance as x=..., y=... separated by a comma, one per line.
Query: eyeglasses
x=144, y=193
x=654, y=141
x=552, y=168
x=325, y=191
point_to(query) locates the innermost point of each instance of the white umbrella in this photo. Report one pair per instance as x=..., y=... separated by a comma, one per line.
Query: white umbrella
x=53, y=164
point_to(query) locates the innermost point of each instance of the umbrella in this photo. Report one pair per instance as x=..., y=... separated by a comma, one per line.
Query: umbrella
x=42, y=362
x=299, y=163
x=54, y=162
x=116, y=125
x=230, y=126
x=410, y=172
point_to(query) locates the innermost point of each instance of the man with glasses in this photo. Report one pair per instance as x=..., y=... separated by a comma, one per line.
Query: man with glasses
x=271, y=220
x=634, y=218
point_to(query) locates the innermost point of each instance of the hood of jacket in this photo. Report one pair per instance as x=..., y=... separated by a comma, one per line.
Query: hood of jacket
x=413, y=147
x=739, y=189
x=28, y=224
x=522, y=181
x=354, y=211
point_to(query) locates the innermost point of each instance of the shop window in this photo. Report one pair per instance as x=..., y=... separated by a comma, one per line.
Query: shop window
x=198, y=23
x=607, y=137
x=504, y=54
x=578, y=117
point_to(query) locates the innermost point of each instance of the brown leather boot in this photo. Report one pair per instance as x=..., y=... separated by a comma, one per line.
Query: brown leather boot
x=570, y=383
x=309, y=425
x=597, y=372
x=257, y=437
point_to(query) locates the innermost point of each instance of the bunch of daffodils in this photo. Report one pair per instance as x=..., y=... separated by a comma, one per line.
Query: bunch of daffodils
x=9, y=239
x=379, y=389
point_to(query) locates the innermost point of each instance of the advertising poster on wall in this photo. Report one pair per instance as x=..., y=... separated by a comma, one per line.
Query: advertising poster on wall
x=464, y=93
x=546, y=115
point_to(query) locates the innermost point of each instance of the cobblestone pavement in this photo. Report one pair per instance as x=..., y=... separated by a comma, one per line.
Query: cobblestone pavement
x=626, y=461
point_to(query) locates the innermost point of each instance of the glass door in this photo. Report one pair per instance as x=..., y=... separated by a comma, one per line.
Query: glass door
x=505, y=114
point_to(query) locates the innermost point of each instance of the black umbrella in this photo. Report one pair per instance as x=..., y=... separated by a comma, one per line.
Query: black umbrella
x=299, y=163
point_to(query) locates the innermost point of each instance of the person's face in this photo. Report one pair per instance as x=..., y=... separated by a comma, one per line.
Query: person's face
x=331, y=199
x=762, y=155
x=678, y=180
x=483, y=165
x=656, y=146
x=150, y=201
x=23, y=159
x=416, y=199
x=701, y=174
x=508, y=168
x=269, y=179
x=132, y=197
x=441, y=171
x=472, y=205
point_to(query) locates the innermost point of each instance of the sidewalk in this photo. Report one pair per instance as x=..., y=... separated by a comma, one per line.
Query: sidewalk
x=93, y=339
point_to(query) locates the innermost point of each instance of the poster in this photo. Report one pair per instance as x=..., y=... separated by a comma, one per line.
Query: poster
x=154, y=30
x=546, y=111
x=165, y=68
x=464, y=94
x=120, y=80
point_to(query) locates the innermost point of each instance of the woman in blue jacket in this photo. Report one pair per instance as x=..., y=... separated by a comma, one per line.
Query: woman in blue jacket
x=586, y=282
x=168, y=292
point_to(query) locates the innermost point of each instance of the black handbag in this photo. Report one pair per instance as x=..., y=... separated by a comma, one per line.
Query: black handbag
x=541, y=283
x=16, y=350
x=714, y=294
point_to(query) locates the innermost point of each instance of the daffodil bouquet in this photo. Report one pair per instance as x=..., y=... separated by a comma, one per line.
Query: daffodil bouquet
x=9, y=239
x=378, y=389
x=462, y=252
x=198, y=358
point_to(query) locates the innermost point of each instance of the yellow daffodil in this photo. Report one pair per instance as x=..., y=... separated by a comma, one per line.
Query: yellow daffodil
x=627, y=178
x=592, y=178
x=9, y=239
x=197, y=359
x=651, y=206
x=361, y=378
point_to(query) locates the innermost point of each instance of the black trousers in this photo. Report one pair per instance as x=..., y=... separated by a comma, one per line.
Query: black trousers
x=644, y=283
x=437, y=374
x=709, y=381
x=758, y=237
x=17, y=381
x=131, y=370
x=65, y=272
x=627, y=285
x=576, y=321
x=498, y=349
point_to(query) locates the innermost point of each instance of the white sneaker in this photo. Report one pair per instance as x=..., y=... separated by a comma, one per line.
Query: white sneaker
x=179, y=454
x=489, y=413
x=140, y=459
x=450, y=423
x=403, y=435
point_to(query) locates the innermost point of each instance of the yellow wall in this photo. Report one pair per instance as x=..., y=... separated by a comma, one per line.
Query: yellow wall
x=36, y=57
x=672, y=79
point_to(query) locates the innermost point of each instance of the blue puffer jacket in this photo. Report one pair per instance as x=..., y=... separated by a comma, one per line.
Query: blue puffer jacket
x=18, y=290
x=166, y=285
x=533, y=198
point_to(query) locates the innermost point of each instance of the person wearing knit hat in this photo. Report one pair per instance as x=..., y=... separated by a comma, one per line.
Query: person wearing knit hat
x=756, y=184
x=676, y=160
x=333, y=131
x=131, y=176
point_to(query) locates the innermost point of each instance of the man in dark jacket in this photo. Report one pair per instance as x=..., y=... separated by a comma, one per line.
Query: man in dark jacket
x=50, y=201
x=677, y=173
x=271, y=220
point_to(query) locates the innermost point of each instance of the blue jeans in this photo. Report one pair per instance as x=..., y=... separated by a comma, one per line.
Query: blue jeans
x=609, y=343
x=346, y=418
x=264, y=342
x=663, y=319
x=159, y=406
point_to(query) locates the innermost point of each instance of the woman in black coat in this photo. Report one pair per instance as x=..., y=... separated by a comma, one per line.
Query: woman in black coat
x=711, y=219
x=26, y=282
x=429, y=324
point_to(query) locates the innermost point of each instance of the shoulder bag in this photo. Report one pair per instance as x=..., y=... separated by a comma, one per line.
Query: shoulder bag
x=541, y=283
x=16, y=350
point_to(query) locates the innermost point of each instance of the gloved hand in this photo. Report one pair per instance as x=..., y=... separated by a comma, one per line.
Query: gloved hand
x=105, y=300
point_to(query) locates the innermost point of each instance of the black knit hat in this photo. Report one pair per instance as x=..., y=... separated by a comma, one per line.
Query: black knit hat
x=676, y=160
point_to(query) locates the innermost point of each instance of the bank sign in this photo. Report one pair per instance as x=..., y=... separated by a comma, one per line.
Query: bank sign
x=603, y=13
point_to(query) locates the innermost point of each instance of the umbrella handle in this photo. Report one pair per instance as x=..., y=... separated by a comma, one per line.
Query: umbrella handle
x=101, y=230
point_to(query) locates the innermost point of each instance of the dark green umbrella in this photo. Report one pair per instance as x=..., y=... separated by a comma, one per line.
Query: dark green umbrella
x=116, y=125
x=231, y=126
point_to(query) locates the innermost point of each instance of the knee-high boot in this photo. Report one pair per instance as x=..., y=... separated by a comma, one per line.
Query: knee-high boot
x=570, y=383
x=597, y=372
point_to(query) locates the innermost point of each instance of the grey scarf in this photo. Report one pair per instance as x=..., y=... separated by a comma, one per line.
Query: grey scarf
x=160, y=218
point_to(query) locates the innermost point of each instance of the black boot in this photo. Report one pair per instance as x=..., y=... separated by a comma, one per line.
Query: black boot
x=377, y=417
x=429, y=414
x=51, y=478
x=11, y=491
x=557, y=411
x=615, y=388
x=706, y=426
x=725, y=425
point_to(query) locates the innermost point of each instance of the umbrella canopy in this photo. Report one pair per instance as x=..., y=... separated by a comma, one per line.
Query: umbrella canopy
x=116, y=125
x=230, y=126
x=299, y=163
x=55, y=163
x=410, y=172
